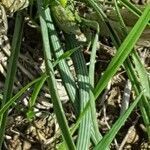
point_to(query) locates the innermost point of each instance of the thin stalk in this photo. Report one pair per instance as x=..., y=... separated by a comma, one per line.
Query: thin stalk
x=91, y=78
x=84, y=89
x=66, y=75
x=58, y=109
x=11, y=71
x=140, y=70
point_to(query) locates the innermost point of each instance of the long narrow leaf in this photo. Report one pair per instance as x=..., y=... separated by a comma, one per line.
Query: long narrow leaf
x=124, y=50
x=143, y=75
x=67, y=78
x=108, y=138
x=84, y=88
x=91, y=78
x=52, y=81
x=36, y=91
x=21, y=92
x=30, y=113
x=11, y=70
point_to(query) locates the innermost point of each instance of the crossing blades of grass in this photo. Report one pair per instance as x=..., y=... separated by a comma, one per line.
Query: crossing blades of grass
x=58, y=109
x=127, y=63
x=134, y=9
x=134, y=64
x=67, y=77
x=30, y=113
x=143, y=104
x=84, y=89
x=15, y=98
x=123, y=51
x=103, y=17
x=94, y=25
x=65, y=55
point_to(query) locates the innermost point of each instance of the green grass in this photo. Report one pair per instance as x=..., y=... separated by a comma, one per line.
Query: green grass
x=81, y=88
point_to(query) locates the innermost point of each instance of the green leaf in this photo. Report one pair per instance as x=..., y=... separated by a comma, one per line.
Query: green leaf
x=36, y=91
x=11, y=70
x=15, y=98
x=65, y=55
x=30, y=113
x=58, y=109
x=123, y=51
x=142, y=74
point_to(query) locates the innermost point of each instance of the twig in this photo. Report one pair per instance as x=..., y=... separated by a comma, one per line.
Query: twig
x=126, y=97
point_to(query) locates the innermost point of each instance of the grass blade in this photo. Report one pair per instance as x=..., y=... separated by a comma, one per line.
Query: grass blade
x=84, y=88
x=143, y=75
x=91, y=78
x=11, y=70
x=67, y=77
x=36, y=91
x=108, y=138
x=21, y=92
x=65, y=55
x=124, y=50
x=30, y=113
x=52, y=82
